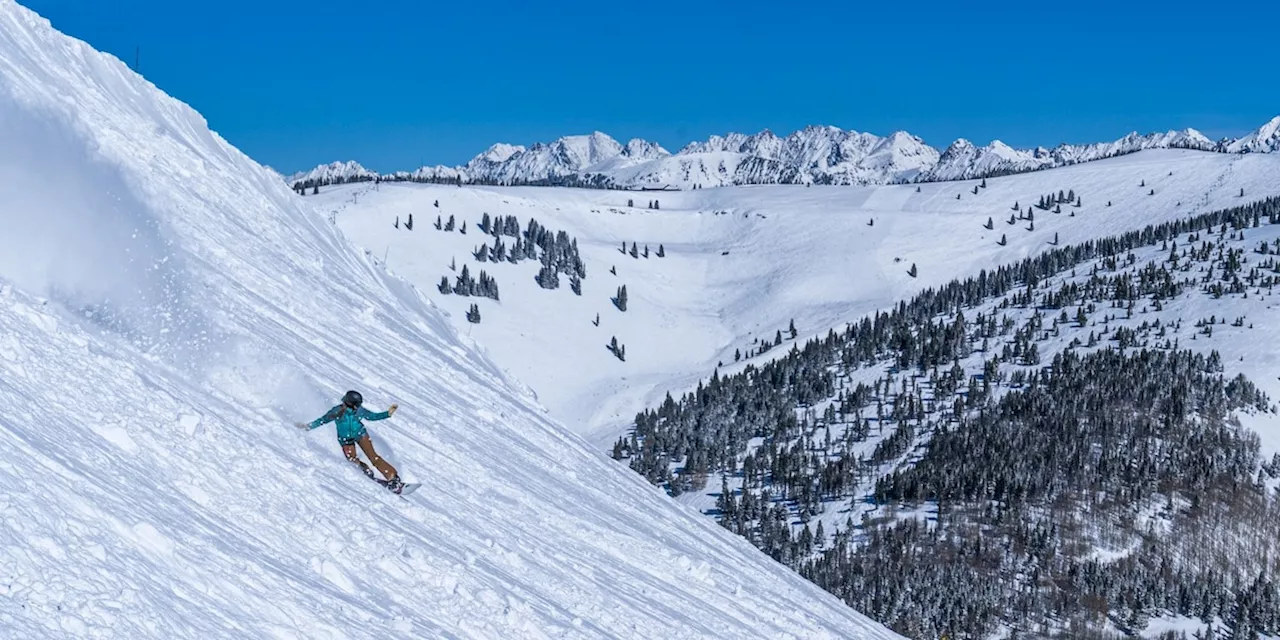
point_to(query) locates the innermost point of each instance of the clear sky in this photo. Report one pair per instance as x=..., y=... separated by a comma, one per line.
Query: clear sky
x=397, y=83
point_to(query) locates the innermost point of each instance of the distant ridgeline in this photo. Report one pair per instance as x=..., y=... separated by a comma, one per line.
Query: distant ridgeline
x=607, y=182
x=579, y=181
x=813, y=155
x=1111, y=486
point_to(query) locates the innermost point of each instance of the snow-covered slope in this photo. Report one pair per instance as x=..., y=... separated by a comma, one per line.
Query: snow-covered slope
x=743, y=262
x=818, y=155
x=168, y=308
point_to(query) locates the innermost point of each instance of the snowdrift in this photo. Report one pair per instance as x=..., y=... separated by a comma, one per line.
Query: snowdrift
x=168, y=308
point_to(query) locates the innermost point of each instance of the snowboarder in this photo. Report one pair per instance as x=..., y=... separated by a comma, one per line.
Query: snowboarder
x=351, y=432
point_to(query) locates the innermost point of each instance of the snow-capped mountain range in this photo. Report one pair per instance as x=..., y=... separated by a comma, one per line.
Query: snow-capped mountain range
x=816, y=154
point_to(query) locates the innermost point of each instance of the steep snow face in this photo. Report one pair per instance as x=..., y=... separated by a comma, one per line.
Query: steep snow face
x=1265, y=139
x=155, y=493
x=821, y=155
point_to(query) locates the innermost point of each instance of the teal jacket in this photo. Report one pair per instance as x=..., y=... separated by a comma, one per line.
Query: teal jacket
x=349, y=425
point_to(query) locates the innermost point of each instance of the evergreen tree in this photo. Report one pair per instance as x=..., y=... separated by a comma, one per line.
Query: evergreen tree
x=791, y=328
x=465, y=285
x=448, y=226
x=620, y=300
x=473, y=315
x=409, y=225
x=548, y=277
x=444, y=285
x=662, y=253
x=634, y=252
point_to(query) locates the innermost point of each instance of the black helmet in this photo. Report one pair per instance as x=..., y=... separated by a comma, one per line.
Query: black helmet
x=353, y=399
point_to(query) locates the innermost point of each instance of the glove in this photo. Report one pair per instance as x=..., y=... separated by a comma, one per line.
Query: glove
x=391, y=411
x=300, y=425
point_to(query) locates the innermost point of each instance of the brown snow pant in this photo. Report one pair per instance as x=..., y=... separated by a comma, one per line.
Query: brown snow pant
x=366, y=445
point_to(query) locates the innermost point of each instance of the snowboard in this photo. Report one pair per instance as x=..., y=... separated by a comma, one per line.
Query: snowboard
x=405, y=489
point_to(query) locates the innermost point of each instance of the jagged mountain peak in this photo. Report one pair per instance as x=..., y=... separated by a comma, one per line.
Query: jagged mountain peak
x=500, y=152
x=1264, y=139
x=639, y=148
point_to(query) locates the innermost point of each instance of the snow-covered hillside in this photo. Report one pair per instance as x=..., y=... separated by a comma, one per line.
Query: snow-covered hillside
x=741, y=263
x=168, y=308
x=1081, y=406
x=818, y=155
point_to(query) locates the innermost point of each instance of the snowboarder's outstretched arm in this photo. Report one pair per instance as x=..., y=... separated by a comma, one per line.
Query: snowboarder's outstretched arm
x=328, y=417
x=375, y=415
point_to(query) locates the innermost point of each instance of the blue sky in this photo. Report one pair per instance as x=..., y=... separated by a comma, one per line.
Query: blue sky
x=397, y=83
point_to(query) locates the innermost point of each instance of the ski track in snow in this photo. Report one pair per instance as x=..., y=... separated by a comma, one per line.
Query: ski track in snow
x=173, y=308
x=799, y=253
